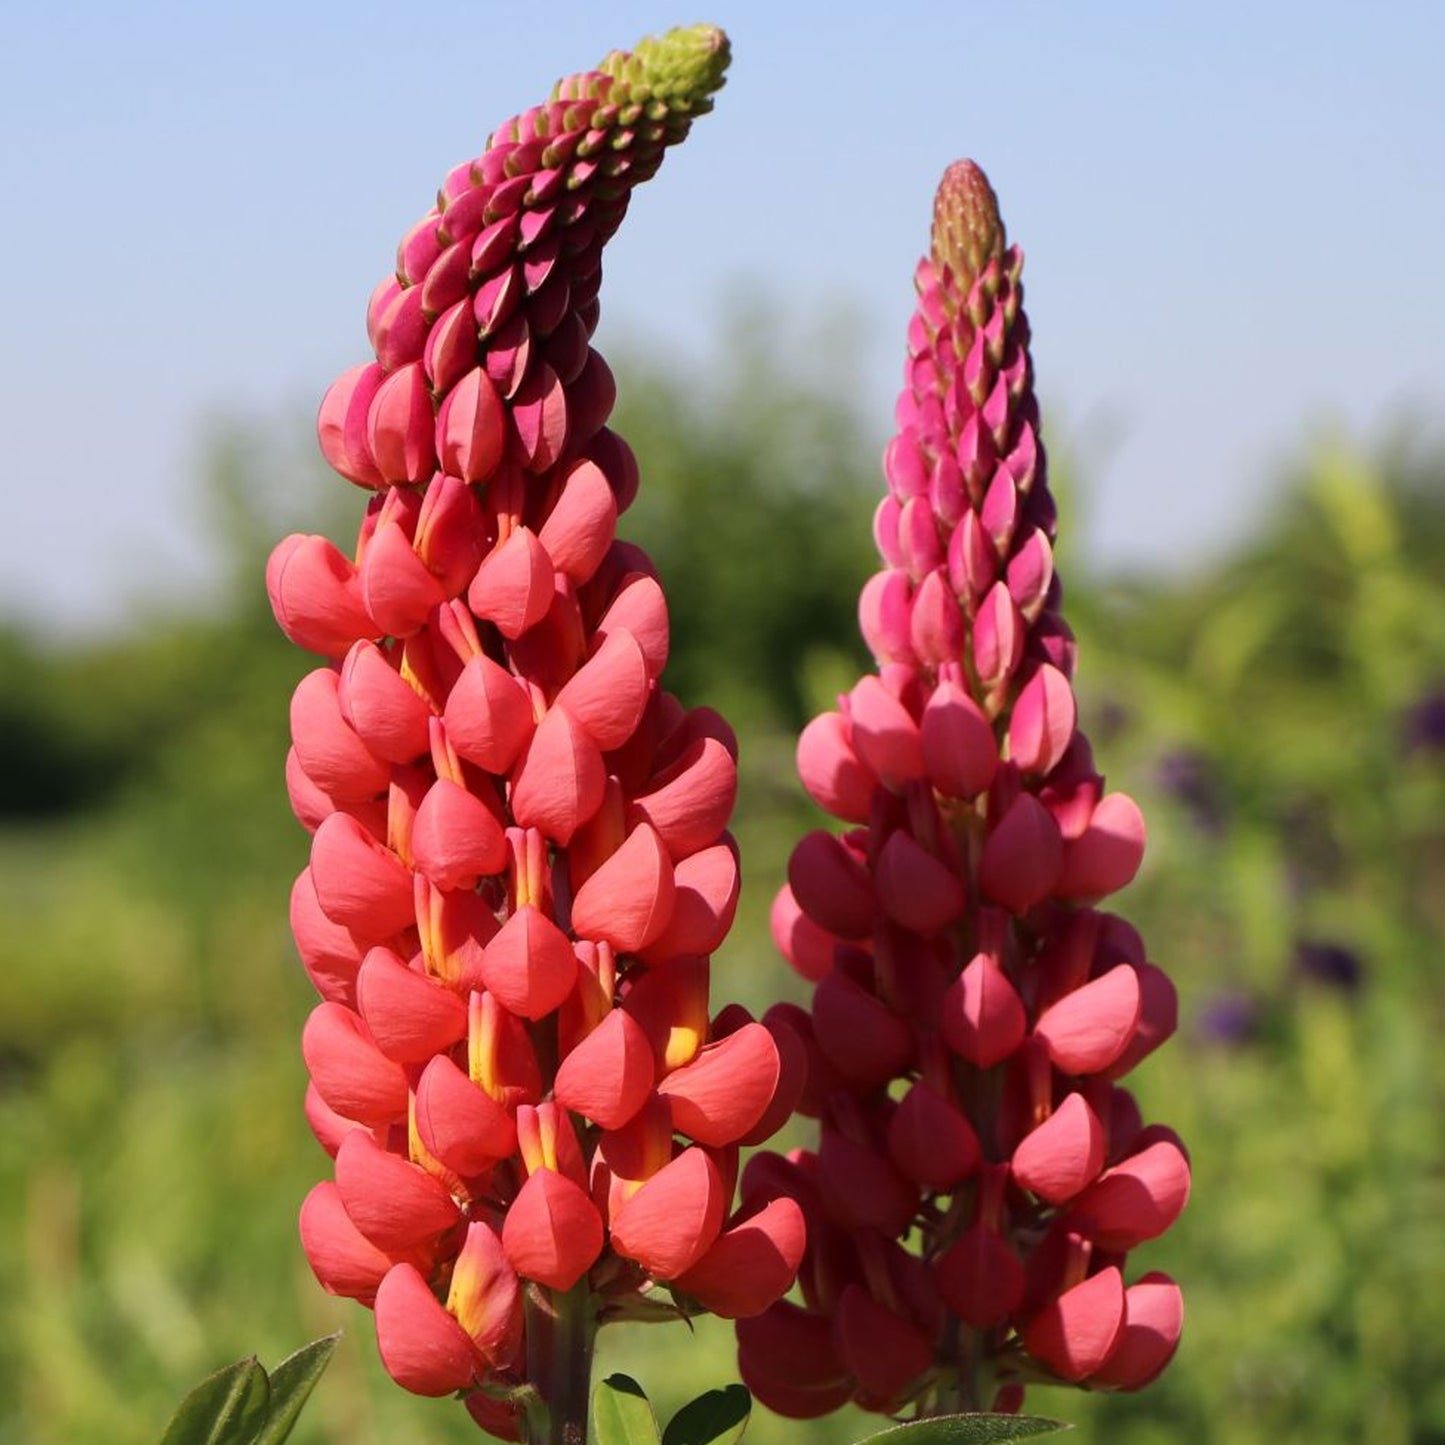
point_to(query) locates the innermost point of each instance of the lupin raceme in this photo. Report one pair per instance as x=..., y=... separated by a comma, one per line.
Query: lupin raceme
x=520, y=861
x=980, y=1174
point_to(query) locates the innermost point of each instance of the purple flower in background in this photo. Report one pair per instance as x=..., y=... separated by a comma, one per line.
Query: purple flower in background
x=1328, y=963
x=1423, y=726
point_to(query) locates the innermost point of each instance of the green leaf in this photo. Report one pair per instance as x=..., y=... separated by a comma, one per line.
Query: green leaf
x=622, y=1414
x=966, y=1430
x=716, y=1417
x=292, y=1382
x=226, y=1408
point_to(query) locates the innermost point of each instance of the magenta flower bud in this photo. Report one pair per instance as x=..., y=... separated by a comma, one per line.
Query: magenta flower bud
x=398, y=590
x=860, y=1035
x=1153, y=1322
x=1088, y=1029
x=343, y=425
x=1136, y=1200
x=881, y=1350
x=471, y=428
x=1063, y=1154
x=1075, y=1334
x=950, y=929
x=931, y=1140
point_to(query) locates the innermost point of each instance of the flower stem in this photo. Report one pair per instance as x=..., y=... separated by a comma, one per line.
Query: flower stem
x=560, y=1332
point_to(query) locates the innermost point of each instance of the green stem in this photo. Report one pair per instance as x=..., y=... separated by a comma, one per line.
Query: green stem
x=560, y=1332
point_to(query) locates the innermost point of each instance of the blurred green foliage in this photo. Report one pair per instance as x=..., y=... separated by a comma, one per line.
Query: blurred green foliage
x=1280, y=715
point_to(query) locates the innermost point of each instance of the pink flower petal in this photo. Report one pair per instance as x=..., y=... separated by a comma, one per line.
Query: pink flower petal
x=343, y=1260
x=409, y=1016
x=460, y=1124
x=832, y=886
x=580, y=527
x=1136, y=1200
x=471, y=426
x=1076, y=1333
x=401, y=426
x=915, y=889
x=328, y=749
x=1063, y=1155
x=351, y=1074
x=959, y=749
x=400, y=594
x=360, y=885
x=396, y=1204
x=513, y=586
x=455, y=837
x=488, y=715
x=552, y=1233
x=689, y=804
x=931, y=1140
x=884, y=734
x=835, y=777
x=983, y=1018
x=628, y=901
x=1088, y=1029
x=341, y=426
x=422, y=1347
x=866, y=1041
x=1021, y=856
x=609, y=692
x=1107, y=855
x=608, y=1076
x=529, y=966
x=559, y=782
x=316, y=596
x=1153, y=1322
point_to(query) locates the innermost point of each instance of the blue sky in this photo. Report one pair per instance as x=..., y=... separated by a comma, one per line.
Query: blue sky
x=1233, y=216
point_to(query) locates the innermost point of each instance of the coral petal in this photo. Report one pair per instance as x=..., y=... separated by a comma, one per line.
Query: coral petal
x=672, y=1221
x=608, y=1076
x=628, y=901
x=530, y=966
x=460, y=1124
x=751, y=1265
x=1063, y=1155
x=343, y=1260
x=351, y=1074
x=560, y=780
x=422, y=1347
x=552, y=1233
x=724, y=1091
x=410, y=1016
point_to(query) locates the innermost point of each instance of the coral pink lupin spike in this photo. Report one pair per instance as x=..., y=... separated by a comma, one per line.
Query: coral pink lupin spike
x=519, y=862
x=980, y=1175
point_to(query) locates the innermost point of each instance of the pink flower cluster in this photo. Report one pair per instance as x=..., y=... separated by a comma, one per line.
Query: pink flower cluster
x=981, y=1175
x=519, y=862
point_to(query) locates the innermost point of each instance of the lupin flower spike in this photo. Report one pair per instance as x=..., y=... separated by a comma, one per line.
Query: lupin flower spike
x=520, y=861
x=980, y=1175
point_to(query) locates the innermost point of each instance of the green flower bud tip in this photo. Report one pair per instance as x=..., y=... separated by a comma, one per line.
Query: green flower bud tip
x=681, y=69
x=967, y=229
